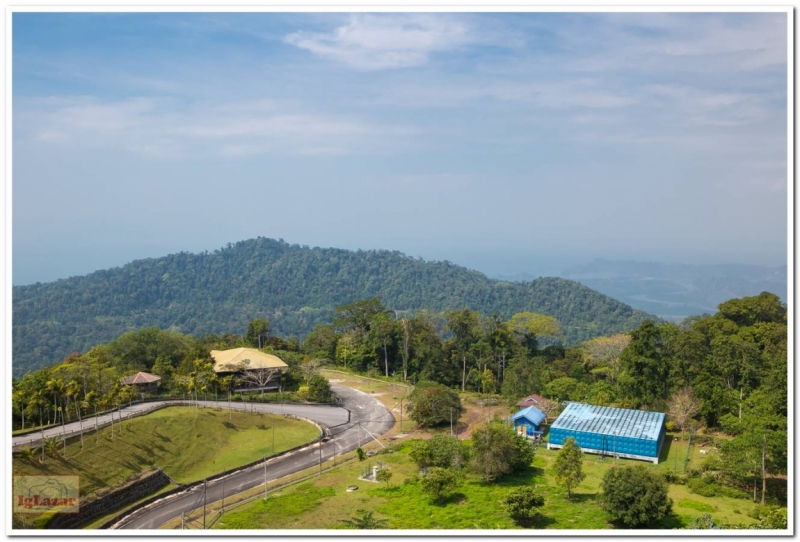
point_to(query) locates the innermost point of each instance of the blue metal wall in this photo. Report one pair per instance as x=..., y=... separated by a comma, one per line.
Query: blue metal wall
x=606, y=443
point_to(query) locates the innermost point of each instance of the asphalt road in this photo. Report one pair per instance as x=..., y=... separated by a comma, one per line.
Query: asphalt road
x=367, y=416
x=325, y=415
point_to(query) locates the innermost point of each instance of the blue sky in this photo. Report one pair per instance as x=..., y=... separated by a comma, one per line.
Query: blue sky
x=509, y=143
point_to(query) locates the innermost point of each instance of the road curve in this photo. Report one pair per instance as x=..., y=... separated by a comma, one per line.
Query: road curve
x=367, y=416
x=323, y=414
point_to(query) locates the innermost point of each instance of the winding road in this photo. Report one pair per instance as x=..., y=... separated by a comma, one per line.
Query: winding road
x=350, y=425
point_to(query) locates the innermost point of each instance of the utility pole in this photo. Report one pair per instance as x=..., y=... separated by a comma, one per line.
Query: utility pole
x=401, y=414
x=320, y=457
x=265, y=478
x=615, y=447
x=273, y=440
x=205, y=486
x=183, y=520
x=359, y=435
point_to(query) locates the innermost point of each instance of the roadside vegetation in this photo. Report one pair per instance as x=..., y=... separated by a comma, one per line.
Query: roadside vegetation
x=188, y=444
x=721, y=379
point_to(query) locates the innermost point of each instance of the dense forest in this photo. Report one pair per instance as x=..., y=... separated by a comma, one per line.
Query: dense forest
x=294, y=287
x=726, y=373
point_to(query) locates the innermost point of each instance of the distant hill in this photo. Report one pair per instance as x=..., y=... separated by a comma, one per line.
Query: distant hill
x=295, y=287
x=676, y=291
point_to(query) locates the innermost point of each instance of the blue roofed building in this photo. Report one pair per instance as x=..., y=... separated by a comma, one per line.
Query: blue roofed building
x=619, y=432
x=528, y=421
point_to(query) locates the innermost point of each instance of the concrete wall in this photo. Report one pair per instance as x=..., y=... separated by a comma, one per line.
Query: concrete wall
x=114, y=500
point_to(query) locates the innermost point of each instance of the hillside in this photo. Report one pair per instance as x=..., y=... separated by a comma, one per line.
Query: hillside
x=295, y=287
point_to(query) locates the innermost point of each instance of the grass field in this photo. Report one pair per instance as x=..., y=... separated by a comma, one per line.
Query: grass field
x=188, y=444
x=323, y=502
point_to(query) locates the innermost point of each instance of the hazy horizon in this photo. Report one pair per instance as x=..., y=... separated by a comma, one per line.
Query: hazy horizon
x=506, y=143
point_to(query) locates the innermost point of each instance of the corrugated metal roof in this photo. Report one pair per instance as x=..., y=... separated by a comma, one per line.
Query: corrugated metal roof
x=608, y=421
x=244, y=358
x=531, y=413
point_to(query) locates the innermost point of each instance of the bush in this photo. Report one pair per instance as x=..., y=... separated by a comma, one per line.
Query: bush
x=670, y=426
x=319, y=390
x=432, y=404
x=635, y=496
x=439, y=483
x=522, y=504
x=497, y=450
x=704, y=522
x=440, y=451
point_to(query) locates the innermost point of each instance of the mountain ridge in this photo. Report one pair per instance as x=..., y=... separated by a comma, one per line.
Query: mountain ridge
x=294, y=286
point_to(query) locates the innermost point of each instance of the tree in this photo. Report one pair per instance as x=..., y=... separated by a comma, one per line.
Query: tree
x=73, y=392
x=433, y=404
x=257, y=332
x=494, y=449
x=683, y=406
x=522, y=504
x=258, y=377
x=365, y=521
x=568, y=466
x=645, y=366
x=488, y=383
x=463, y=324
x=439, y=451
x=384, y=475
x=531, y=326
x=319, y=390
x=635, y=496
x=439, y=483
x=603, y=355
x=310, y=367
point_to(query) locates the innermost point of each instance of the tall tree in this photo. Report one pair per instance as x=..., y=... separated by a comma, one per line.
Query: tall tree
x=645, y=366
x=683, y=406
x=463, y=324
x=257, y=333
x=568, y=466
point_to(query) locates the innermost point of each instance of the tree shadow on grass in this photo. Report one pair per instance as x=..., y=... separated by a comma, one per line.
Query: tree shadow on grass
x=453, y=498
x=538, y=522
x=526, y=476
x=229, y=425
x=669, y=522
x=582, y=497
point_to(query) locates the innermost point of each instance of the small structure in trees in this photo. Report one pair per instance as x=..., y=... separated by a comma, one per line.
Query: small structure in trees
x=142, y=382
x=253, y=369
x=528, y=422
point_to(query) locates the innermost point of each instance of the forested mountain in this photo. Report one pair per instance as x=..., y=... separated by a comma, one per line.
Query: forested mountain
x=294, y=287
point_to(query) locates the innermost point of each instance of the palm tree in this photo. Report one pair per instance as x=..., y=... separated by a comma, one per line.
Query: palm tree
x=90, y=401
x=74, y=391
x=227, y=384
x=365, y=521
x=38, y=405
x=56, y=387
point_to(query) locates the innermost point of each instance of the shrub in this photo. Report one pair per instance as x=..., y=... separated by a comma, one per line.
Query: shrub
x=498, y=450
x=635, y=496
x=440, y=451
x=704, y=522
x=670, y=426
x=439, y=483
x=319, y=390
x=432, y=404
x=522, y=504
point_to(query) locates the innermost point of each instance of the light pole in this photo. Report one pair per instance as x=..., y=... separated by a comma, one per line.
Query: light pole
x=615, y=447
x=265, y=478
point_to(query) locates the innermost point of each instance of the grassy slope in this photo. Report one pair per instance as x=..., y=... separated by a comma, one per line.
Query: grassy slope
x=188, y=444
x=322, y=503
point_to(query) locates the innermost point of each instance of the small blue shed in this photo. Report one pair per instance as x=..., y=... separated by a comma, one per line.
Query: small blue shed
x=621, y=432
x=528, y=421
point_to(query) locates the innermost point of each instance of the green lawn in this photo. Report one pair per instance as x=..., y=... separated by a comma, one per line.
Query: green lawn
x=188, y=444
x=323, y=502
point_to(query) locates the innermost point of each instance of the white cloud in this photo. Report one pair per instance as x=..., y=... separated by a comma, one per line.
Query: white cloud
x=374, y=42
x=158, y=128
